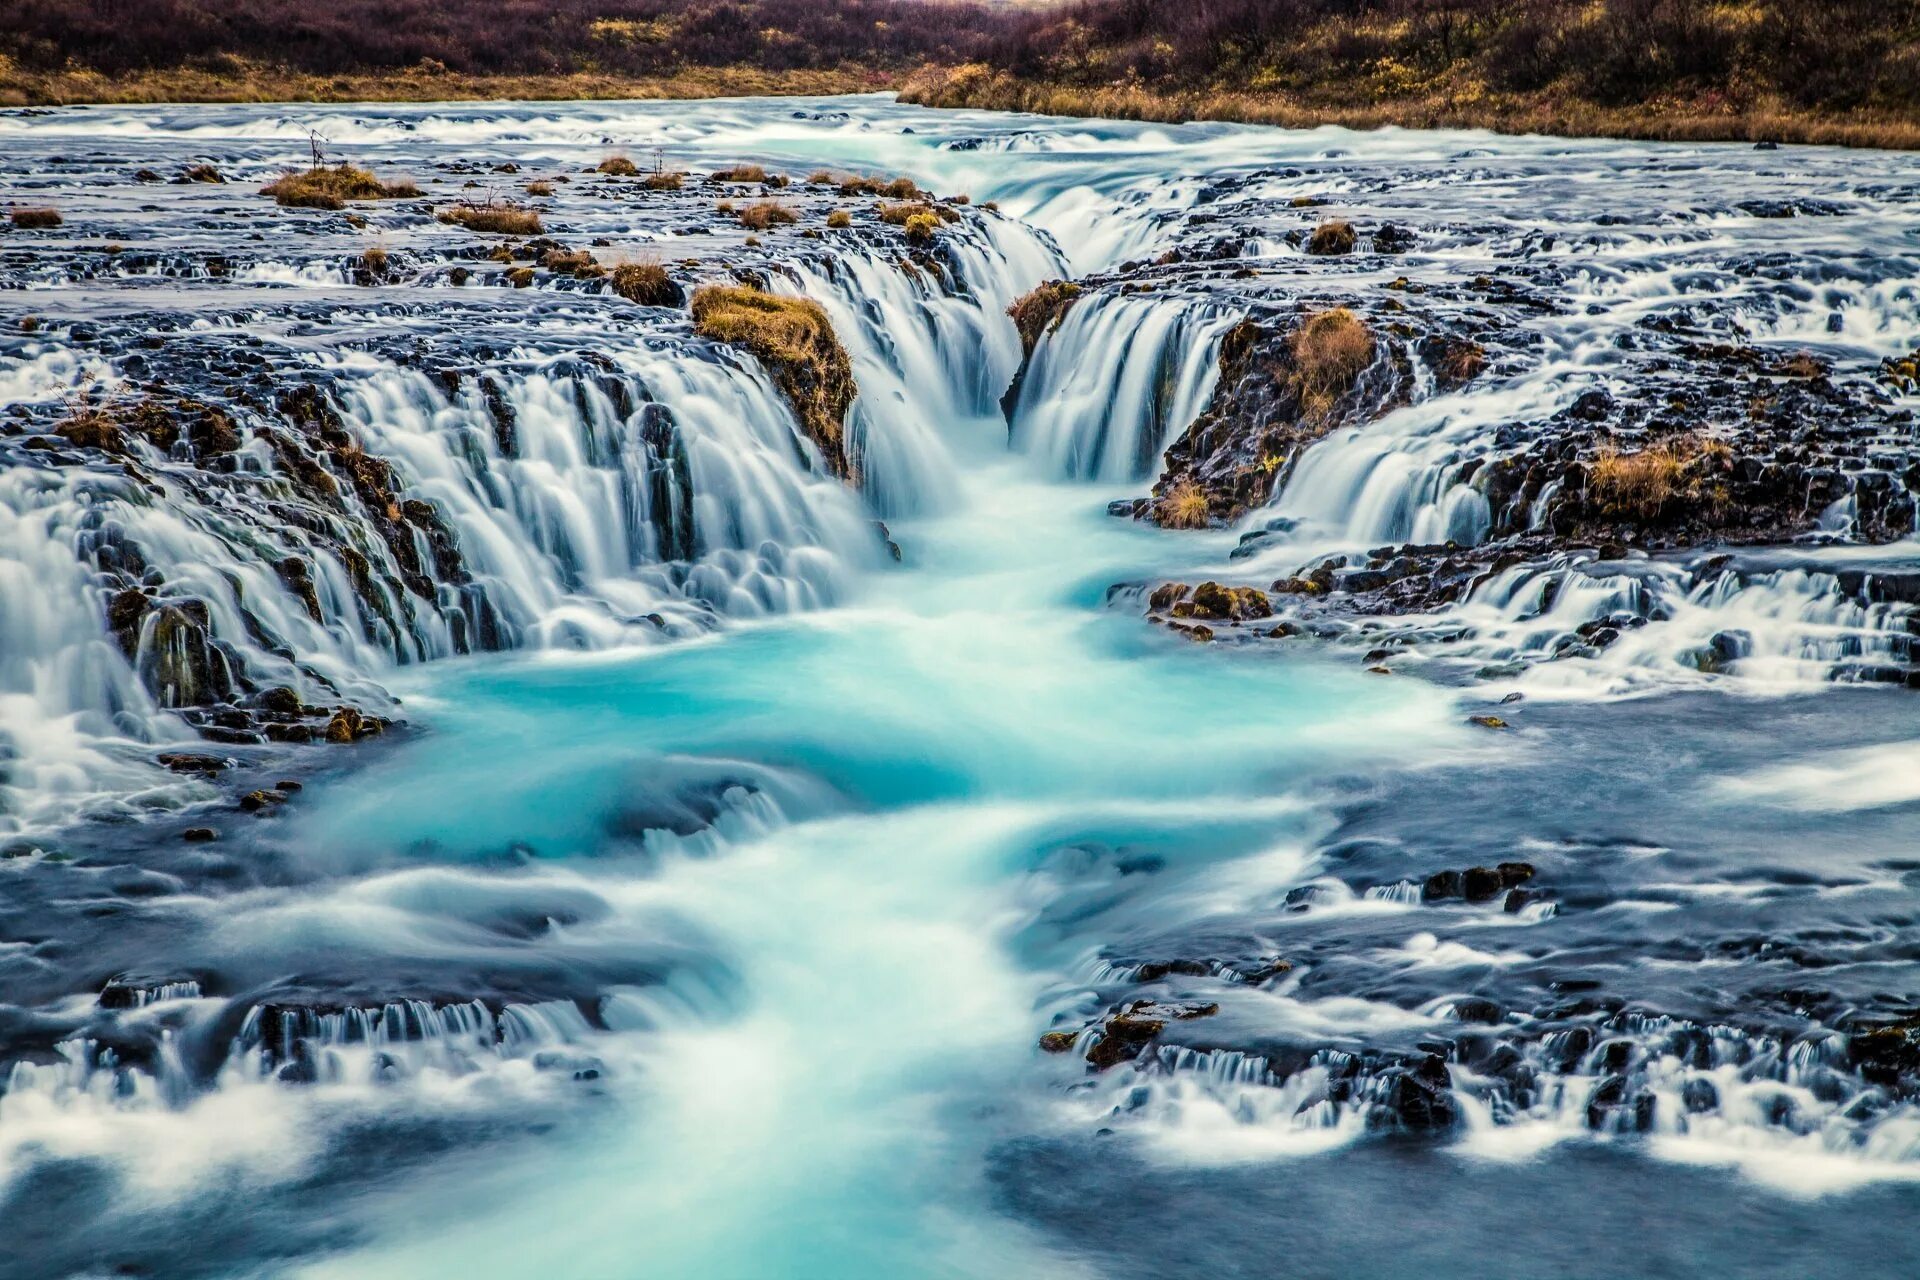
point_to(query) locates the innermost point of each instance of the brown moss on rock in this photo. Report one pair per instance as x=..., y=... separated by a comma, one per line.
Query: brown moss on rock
x=1331, y=239
x=648, y=284
x=1041, y=309
x=794, y=340
x=36, y=219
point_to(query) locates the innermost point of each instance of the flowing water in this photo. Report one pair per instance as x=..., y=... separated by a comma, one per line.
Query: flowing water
x=704, y=919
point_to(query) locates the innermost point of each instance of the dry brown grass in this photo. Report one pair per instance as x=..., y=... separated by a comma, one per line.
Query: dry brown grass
x=1330, y=351
x=574, y=262
x=664, y=181
x=1670, y=120
x=1331, y=239
x=200, y=173
x=1640, y=485
x=35, y=219
x=1042, y=308
x=740, y=173
x=376, y=261
x=646, y=283
x=839, y=219
x=493, y=219
x=1461, y=362
x=891, y=188
x=330, y=188
x=767, y=213
x=242, y=81
x=539, y=188
x=794, y=340
x=1183, y=506
x=618, y=167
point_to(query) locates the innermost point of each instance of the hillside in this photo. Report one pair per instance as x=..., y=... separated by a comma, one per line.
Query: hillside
x=1839, y=71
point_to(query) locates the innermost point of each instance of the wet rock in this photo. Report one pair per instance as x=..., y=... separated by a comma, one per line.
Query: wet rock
x=1415, y=1097
x=1475, y=884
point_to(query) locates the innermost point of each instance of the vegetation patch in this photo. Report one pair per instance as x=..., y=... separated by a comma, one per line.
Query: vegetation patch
x=766, y=213
x=1042, y=309
x=618, y=167
x=646, y=283
x=330, y=187
x=747, y=173
x=36, y=219
x=493, y=219
x=1643, y=484
x=1183, y=506
x=1331, y=239
x=793, y=339
x=1330, y=351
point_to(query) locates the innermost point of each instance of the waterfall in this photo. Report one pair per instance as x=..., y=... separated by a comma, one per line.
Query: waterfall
x=1116, y=381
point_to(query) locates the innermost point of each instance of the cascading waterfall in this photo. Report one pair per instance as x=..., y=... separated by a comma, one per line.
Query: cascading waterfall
x=895, y=893
x=1116, y=380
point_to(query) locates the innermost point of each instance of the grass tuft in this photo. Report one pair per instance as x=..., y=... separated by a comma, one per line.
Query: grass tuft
x=1184, y=506
x=330, y=188
x=1330, y=351
x=767, y=213
x=493, y=219
x=36, y=219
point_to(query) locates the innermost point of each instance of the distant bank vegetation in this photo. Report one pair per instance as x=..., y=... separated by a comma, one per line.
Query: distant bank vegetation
x=1806, y=70
x=1821, y=70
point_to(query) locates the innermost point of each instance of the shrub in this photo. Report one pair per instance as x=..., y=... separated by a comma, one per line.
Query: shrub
x=36, y=219
x=1331, y=239
x=331, y=188
x=794, y=340
x=767, y=213
x=822, y=178
x=1041, y=309
x=493, y=219
x=741, y=173
x=646, y=283
x=539, y=188
x=1183, y=506
x=619, y=167
x=663, y=181
x=839, y=219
